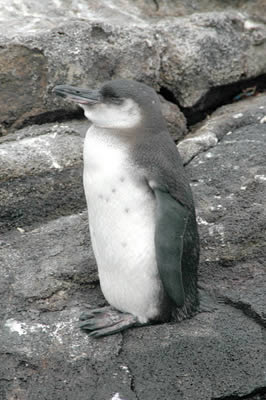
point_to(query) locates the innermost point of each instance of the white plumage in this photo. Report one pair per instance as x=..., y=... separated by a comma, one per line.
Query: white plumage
x=121, y=211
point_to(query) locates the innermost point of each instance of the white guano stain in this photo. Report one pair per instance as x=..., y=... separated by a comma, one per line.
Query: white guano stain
x=23, y=328
x=239, y=115
x=202, y=221
x=44, y=147
x=208, y=155
x=260, y=178
x=125, y=368
x=16, y=326
x=263, y=120
x=59, y=327
x=251, y=25
x=117, y=397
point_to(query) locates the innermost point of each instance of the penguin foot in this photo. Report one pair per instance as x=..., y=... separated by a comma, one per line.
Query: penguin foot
x=106, y=321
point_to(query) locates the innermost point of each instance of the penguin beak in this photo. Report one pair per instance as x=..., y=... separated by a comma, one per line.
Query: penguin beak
x=78, y=95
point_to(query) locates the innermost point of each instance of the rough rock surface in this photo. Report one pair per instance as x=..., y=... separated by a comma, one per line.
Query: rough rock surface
x=49, y=276
x=223, y=121
x=197, y=55
x=41, y=46
x=41, y=174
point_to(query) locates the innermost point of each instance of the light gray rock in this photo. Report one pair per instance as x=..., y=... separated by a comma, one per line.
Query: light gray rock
x=34, y=155
x=79, y=52
x=188, y=56
x=222, y=122
x=121, y=12
x=206, y=51
x=41, y=173
x=166, y=8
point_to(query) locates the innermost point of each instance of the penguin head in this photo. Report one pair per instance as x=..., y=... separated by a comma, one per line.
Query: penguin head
x=118, y=105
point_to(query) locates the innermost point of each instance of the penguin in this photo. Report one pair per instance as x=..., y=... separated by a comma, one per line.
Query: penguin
x=140, y=208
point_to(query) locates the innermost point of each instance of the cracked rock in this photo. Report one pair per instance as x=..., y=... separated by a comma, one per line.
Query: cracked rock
x=47, y=268
x=49, y=277
x=188, y=56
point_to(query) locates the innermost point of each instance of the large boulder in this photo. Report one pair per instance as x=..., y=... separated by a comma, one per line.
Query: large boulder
x=184, y=58
x=41, y=173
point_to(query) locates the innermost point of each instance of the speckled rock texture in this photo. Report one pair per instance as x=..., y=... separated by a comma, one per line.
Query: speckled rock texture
x=49, y=277
x=196, y=55
x=85, y=44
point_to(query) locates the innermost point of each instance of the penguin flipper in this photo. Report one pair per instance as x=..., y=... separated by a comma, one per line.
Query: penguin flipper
x=171, y=221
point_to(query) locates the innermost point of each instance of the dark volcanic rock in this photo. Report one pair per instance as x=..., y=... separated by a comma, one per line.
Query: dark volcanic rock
x=57, y=258
x=195, y=54
x=232, y=215
x=204, y=358
x=48, y=278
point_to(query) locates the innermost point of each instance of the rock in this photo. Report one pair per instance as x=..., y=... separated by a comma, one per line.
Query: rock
x=50, y=272
x=222, y=122
x=204, y=358
x=207, y=51
x=176, y=121
x=41, y=174
x=51, y=350
x=229, y=182
x=41, y=153
x=165, y=8
x=187, y=56
x=49, y=277
x=121, y=12
x=100, y=51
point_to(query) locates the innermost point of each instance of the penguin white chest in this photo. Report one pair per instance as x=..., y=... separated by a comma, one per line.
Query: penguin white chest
x=121, y=210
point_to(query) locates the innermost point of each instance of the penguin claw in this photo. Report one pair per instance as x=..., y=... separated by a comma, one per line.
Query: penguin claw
x=95, y=323
x=91, y=314
x=106, y=321
x=85, y=316
x=108, y=331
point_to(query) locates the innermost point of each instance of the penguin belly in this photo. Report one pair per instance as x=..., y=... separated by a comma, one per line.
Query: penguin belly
x=121, y=211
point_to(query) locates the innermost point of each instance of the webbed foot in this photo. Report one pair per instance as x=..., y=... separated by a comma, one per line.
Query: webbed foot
x=106, y=321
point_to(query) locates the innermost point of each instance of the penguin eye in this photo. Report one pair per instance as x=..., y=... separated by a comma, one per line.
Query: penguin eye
x=110, y=96
x=113, y=99
x=116, y=100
